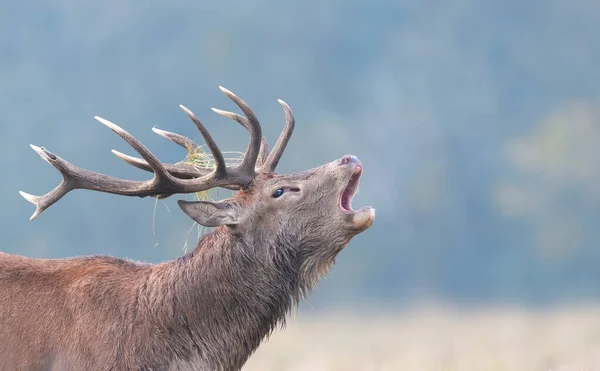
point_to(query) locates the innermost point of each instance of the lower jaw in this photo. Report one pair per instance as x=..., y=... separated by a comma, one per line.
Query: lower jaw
x=360, y=219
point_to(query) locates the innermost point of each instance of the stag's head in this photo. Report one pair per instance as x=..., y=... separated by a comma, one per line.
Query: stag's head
x=310, y=211
x=310, y=205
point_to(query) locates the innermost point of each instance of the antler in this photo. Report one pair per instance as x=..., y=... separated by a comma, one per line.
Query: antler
x=267, y=162
x=170, y=179
x=273, y=158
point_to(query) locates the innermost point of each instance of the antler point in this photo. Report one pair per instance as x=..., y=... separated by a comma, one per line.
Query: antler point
x=35, y=214
x=111, y=125
x=186, y=110
x=38, y=150
x=32, y=199
x=28, y=197
x=123, y=156
x=226, y=91
x=43, y=153
x=160, y=132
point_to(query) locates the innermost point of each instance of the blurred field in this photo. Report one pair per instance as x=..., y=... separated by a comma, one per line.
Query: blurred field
x=565, y=339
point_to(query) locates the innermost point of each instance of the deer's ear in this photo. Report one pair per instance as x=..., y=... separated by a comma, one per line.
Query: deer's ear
x=210, y=214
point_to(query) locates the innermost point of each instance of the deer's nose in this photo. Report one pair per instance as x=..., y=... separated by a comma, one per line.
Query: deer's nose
x=348, y=159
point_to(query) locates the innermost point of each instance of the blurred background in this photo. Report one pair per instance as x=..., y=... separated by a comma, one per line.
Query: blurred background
x=478, y=125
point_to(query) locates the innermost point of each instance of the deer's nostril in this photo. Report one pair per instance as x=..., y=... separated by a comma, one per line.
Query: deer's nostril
x=349, y=159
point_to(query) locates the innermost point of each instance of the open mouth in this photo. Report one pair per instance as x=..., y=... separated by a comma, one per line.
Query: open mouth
x=350, y=190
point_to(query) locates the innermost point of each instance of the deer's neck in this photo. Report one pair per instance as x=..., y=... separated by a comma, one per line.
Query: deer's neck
x=229, y=294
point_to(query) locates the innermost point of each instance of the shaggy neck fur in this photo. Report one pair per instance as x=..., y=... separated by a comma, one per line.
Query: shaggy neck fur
x=225, y=297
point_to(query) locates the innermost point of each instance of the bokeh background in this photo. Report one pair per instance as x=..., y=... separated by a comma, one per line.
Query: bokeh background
x=478, y=125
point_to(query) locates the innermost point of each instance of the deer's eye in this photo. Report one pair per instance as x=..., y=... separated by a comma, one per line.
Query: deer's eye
x=278, y=193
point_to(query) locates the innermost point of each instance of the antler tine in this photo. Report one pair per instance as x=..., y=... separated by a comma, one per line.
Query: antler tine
x=220, y=169
x=264, y=152
x=75, y=177
x=183, y=141
x=251, y=156
x=43, y=202
x=264, y=146
x=78, y=178
x=159, y=170
x=181, y=171
x=177, y=170
x=275, y=155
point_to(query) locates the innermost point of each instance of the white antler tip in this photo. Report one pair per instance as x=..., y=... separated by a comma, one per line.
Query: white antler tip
x=282, y=103
x=28, y=197
x=123, y=156
x=36, y=148
x=42, y=153
x=227, y=114
x=186, y=110
x=163, y=133
x=35, y=214
x=160, y=132
x=32, y=199
x=112, y=126
x=226, y=91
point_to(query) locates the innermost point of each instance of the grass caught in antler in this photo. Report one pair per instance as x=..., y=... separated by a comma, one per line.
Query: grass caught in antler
x=201, y=159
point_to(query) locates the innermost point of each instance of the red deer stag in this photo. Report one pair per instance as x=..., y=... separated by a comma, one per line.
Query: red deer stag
x=208, y=310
